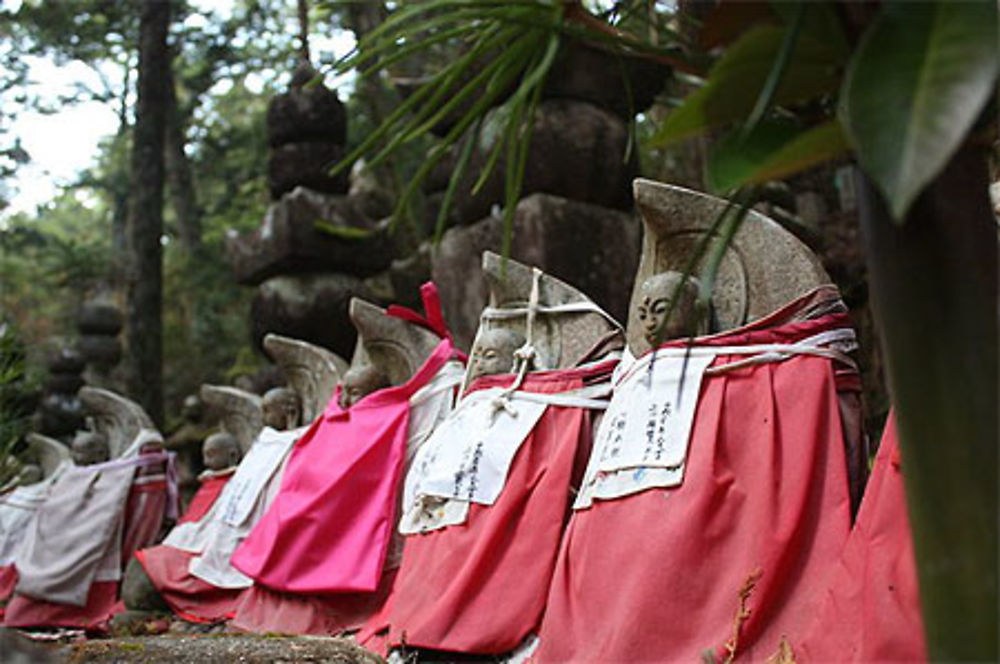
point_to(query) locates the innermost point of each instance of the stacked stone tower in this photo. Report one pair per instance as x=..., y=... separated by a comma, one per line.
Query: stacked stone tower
x=318, y=241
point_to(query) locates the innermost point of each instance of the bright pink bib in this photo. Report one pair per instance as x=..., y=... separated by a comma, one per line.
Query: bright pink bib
x=329, y=527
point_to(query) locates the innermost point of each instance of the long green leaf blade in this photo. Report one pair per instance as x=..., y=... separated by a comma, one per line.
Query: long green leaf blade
x=920, y=78
x=735, y=82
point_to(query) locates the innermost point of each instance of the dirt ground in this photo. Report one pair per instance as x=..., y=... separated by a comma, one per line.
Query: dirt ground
x=196, y=648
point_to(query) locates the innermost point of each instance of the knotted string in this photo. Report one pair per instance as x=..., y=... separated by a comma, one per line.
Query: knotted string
x=525, y=355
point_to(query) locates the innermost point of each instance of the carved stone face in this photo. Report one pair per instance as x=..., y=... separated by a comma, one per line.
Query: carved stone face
x=220, y=451
x=89, y=448
x=494, y=352
x=281, y=409
x=358, y=383
x=655, y=297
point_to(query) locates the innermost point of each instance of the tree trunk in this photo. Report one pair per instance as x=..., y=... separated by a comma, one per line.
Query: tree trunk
x=934, y=286
x=303, y=12
x=119, y=188
x=144, y=274
x=183, y=196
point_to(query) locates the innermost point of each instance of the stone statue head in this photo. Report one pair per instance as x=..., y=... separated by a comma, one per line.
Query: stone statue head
x=192, y=409
x=359, y=382
x=30, y=474
x=90, y=447
x=220, y=451
x=655, y=296
x=281, y=407
x=494, y=352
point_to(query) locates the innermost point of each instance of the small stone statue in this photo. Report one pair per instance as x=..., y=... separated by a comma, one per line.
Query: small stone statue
x=186, y=441
x=220, y=451
x=494, y=352
x=90, y=447
x=655, y=295
x=281, y=407
x=359, y=382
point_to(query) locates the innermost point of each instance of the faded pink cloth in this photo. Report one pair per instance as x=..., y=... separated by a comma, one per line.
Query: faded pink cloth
x=330, y=525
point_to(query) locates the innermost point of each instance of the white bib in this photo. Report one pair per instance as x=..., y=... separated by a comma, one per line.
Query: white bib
x=642, y=441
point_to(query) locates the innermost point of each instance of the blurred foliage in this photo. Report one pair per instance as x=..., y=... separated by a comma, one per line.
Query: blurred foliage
x=225, y=69
x=17, y=390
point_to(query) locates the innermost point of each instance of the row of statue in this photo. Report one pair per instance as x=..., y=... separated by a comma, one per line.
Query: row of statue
x=685, y=487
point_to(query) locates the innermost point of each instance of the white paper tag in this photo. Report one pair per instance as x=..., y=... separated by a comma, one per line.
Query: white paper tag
x=469, y=455
x=241, y=493
x=642, y=441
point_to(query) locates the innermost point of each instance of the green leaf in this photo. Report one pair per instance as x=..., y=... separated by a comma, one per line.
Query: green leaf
x=772, y=152
x=920, y=78
x=343, y=232
x=735, y=157
x=821, y=23
x=735, y=82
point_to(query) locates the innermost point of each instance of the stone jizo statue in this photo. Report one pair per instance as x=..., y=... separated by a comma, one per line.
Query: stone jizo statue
x=220, y=451
x=90, y=447
x=655, y=296
x=282, y=410
x=494, y=352
x=359, y=382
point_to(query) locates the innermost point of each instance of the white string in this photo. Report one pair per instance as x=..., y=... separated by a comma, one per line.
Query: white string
x=580, y=307
x=526, y=353
x=841, y=341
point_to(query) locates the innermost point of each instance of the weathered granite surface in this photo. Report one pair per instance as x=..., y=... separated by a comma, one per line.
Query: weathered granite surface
x=313, y=372
x=593, y=248
x=305, y=114
x=289, y=242
x=560, y=339
x=99, y=318
x=306, y=164
x=764, y=267
x=116, y=417
x=310, y=307
x=394, y=346
x=584, y=72
x=596, y=75
x=577, y=151
x=239, y=412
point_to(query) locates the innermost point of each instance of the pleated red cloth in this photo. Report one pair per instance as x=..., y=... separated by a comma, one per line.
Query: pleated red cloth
x=8, y=579
x=145, y=511
x=202, y=501
x=871, y=609
x=479, y=587
x=188, y=596
x=261, y=609
x=729, y=561
x=24, y=611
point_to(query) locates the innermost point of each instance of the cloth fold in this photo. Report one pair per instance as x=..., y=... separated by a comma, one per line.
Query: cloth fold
x=263, y=609
x=209, y=488
x=76, y=530
x=871, y=604
x=479, y=587
x=730, y=560
x=330, y=526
